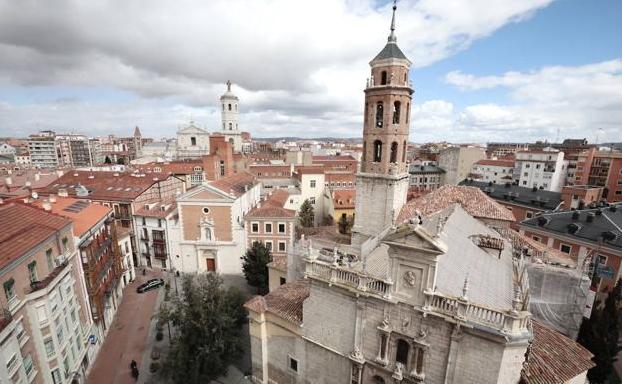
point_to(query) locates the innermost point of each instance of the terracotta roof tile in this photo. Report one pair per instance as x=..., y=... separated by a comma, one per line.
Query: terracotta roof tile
x=185, y=167
x=83, y=218
x=344, y=198
x=23, y=227
x=496, y=163
x=114, y=186
x=473, y=200
x=237, y=184
x=286, y=301
x=554, y=358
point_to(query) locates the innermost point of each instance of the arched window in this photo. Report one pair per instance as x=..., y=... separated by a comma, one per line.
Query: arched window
x=401, y=352
x=229, y=106
x=230, y=126
x=383, y=77
x=404, y=152
x=364, y=150
x=193, y=141
x=366, y=111
x=407, y=113
x=419, y=365
x=378, y=380
x=379, y=115
x=377, y=151
x=396, y=112
x=405, y=77
x=394, y=146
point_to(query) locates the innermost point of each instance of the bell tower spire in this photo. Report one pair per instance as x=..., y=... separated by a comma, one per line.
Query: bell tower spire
x=392, y=38
x=382, y=183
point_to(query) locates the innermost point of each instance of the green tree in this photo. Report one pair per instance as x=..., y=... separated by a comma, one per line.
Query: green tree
x=306, y=215
x=345, y=224
x=107, y=160
x=255, y=266
x=207, y=319
x=121, y=161
x=599, y=334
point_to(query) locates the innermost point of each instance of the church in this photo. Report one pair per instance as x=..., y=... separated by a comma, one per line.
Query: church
x=194, y=142
x=439, y=298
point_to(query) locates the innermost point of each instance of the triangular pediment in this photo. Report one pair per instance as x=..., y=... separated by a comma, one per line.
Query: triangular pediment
x=204, y=193
x=415, y=237
x=191, y=129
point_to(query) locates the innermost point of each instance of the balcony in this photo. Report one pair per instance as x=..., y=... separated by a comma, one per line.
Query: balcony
x=42, y=284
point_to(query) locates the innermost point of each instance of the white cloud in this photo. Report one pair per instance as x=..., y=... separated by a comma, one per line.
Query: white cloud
x=576, y=101
x=297, y=63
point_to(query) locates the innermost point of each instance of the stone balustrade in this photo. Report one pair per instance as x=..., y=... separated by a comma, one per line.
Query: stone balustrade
x=509, y=322
x=337, y=275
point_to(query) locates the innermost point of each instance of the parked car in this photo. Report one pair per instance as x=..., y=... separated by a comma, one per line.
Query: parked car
x=149, y=285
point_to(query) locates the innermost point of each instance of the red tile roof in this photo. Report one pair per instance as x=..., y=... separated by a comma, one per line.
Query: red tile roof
x=113, y=186
x=344, y=198
x=237, y=184
x=472, y=199
x=175, y=167
x=23, y=227
x=286, y=301
x=155, y=209
x=84, y=219
x=334, y=158
x=554, y=358
x=272, y=207
x=496, y=163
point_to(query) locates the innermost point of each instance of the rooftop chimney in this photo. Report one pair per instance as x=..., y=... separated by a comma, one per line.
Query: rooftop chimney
x=59, y=173
x=62, y=192
x=52, y=199
x=47, y=206
x=37, y=176
x=8, y=181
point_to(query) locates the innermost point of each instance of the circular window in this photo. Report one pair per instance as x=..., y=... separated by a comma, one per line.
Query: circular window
x=205, y=210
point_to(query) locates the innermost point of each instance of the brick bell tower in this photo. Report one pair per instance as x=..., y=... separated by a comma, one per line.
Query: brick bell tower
x=382, y=183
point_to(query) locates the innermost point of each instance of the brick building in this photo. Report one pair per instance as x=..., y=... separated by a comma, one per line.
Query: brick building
x=274, y=226
x=602, y=169
x=45, y=327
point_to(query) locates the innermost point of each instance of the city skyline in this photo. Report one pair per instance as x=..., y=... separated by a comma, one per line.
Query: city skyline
x=538, y=70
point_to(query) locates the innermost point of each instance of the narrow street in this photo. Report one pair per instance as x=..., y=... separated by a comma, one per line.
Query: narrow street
x=127, y=337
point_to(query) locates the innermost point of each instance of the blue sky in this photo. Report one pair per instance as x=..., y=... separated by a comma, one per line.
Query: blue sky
x=523, y=70
x=567, y=32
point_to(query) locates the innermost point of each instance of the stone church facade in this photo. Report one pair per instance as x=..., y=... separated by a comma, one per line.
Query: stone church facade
x=439, y=299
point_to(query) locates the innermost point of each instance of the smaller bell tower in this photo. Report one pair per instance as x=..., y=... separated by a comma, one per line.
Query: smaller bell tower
x=382, y=183
x=229, y=112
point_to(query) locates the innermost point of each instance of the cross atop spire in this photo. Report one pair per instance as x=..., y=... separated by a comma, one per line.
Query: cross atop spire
x=228, y=85
x=392, y=38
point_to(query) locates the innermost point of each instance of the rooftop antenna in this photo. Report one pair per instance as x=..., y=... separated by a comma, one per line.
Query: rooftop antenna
x=392, y=38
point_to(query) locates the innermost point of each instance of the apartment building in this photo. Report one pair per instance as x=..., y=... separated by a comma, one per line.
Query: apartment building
x=95, y=236
x=589, y=236
x=491, y=170
x=123, y=192
x=211, y=224
x=46, y=330
x=601, y=168
x=274, y=226
x=42, y=150
x=458, y=161
x=154, y=221
x=343, y=163
x=74, y=151
x=543, y=169
x=425, y=177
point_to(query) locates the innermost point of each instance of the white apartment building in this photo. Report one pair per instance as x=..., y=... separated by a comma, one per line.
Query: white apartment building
x=311, y=184
x=495, y=171
x=42, y=149
x=544, y=169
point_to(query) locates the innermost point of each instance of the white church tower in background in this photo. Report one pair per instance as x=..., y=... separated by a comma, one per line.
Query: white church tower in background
x=229, y=108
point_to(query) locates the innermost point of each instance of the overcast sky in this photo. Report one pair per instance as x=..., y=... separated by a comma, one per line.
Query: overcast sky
x=483, y=70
